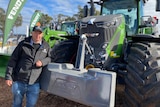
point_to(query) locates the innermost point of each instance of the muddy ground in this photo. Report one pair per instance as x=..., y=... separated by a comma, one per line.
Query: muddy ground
x=45, y=100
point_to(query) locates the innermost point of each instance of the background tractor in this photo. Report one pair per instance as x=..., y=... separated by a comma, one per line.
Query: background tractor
x=119, y=47
x=71, y=27
x=65, y=30
x=53, y=36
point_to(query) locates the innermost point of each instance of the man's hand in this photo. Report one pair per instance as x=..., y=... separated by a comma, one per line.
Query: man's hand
x=9, y=82
x=39, y=63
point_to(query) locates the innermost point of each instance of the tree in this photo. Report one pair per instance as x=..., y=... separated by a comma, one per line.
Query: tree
x=2, y=19
x=79, y=15
x=60, y=18
x=97, y=12
x=45, y=20
x=70, y=18
x=17, y=23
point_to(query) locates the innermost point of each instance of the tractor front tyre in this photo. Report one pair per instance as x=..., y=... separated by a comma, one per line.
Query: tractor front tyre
x=142, y=82
x=65, y=51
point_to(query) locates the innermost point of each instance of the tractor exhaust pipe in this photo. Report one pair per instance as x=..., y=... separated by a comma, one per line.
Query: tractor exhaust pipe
x=92, y=8
x=157, y=5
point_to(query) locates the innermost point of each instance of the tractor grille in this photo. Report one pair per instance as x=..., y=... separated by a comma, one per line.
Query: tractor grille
x=104, y=35
x=100, y=31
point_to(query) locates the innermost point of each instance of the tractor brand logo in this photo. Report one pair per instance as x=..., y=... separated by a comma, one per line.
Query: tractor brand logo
x=14, y=10
x=35, y=20
x=91, y=21
x=92, y=34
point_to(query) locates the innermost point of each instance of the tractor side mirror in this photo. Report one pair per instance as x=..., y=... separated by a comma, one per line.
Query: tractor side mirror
x=148, y=21
x=85, y=11
x=157, y=5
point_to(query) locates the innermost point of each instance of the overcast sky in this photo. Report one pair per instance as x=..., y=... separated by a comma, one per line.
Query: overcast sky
x=54, y=7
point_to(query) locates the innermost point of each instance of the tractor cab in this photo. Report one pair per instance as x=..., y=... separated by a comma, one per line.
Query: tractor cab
x=128, y=8
x=132, y=10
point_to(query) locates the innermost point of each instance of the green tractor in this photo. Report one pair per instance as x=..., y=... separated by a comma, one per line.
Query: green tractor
x=119, y=47
x=67, y=29
x=53, y=36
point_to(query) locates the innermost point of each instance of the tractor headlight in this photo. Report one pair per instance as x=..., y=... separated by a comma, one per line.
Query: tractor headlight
x=103, y=53
x=83, y=25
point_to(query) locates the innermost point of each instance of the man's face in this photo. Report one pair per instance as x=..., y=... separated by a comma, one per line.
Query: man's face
x=37, y=36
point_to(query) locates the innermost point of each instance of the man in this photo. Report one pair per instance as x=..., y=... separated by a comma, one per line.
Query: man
x=25, y=66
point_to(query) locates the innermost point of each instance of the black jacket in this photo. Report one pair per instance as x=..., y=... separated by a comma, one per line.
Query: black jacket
x=22, y=62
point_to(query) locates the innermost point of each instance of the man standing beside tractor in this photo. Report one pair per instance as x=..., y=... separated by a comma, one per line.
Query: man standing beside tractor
x=25, y=67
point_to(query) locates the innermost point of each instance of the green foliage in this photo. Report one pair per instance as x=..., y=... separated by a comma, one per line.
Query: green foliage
x=2, y=19
x=70, y=18
x=45, y=20
x=97, y=12
x=79, y=15
x=19, y=21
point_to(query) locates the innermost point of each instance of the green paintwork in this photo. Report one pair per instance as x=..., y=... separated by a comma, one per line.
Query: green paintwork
x=54, y=34
x=122, y=30
x=120, y=34
x=13, y=11
x=35, y=18
x=3, y=64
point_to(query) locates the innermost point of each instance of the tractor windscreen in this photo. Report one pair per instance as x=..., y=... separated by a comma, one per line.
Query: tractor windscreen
x=126, y=7
x=69, y=27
